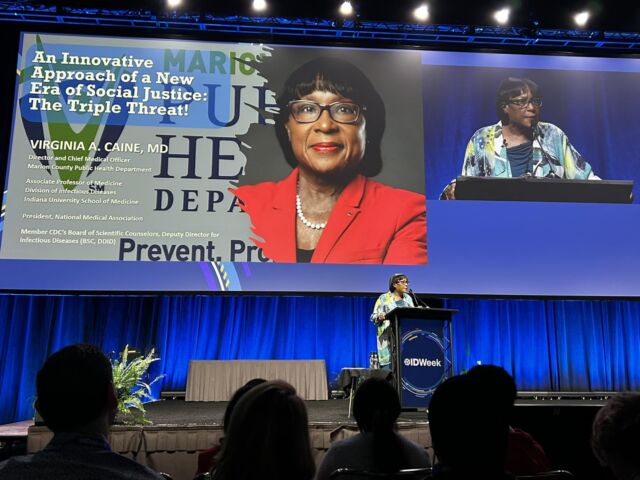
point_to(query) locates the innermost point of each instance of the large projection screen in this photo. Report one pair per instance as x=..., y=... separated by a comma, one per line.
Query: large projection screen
x=157, y=165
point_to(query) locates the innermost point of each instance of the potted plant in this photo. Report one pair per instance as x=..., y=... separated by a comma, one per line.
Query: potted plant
x=129, y=380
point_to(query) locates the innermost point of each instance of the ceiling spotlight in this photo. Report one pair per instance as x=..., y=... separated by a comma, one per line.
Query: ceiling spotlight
x=581, y=18
x=174, y=3
x=421, y=13
x=502, y=16
x=346, y=9
x=259, y=5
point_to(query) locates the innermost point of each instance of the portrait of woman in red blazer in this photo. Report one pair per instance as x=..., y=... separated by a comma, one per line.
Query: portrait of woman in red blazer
x=328, y=210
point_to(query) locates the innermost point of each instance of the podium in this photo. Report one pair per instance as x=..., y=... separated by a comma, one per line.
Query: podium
x=533, y=189
x=422, y=352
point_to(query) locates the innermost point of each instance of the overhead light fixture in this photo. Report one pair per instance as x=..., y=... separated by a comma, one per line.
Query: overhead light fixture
x=174, y=3
x=421, y=13
x=259, y=5
x=502, y=16
x=581, y=18
x=346, y=9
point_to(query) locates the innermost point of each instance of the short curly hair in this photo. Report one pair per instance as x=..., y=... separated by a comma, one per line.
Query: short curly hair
x=616, y=430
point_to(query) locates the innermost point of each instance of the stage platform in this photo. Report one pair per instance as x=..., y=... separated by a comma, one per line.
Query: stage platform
x=180, y=429
x=321, y=412
x=560, y=422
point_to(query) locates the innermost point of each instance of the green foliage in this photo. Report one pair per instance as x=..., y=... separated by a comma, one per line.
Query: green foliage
x=132, y=390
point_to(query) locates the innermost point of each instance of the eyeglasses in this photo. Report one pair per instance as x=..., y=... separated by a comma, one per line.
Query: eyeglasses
x=405, y=282
x=305, y=111
x=523, y=103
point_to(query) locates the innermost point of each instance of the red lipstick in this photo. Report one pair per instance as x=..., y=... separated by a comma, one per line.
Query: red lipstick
x=325, y=147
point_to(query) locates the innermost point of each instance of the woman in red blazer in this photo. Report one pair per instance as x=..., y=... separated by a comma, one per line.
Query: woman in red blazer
x=327, y=210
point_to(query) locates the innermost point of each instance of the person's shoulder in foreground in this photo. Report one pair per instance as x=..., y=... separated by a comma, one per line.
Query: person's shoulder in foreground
x=357, y=452
x=79, y=448
x=75, y=457
x=525, y=456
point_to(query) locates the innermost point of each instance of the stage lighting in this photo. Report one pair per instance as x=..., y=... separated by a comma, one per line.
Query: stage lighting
x=421, y=13
x=346, y=9
x=174, y=3
x=581, y=18
x=259, y=5
x=502, y=16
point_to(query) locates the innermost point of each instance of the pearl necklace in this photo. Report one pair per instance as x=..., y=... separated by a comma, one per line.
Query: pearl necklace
x=304, y=220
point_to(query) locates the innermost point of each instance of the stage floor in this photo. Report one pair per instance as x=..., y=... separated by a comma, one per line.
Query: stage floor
x=321, y=412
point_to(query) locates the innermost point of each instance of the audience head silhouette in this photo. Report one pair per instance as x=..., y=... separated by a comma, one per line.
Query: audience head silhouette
x=376, y=408
x=235, y=398
x=616, y=435
x=77, y=400
x=267, y=437
x=468, y=431
x=84, y=372
x=207, y=459
x=496, y=384
x=376, y=405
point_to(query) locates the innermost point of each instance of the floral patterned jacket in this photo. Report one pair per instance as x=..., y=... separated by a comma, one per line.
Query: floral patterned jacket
x=553, y=155
x=385, y=303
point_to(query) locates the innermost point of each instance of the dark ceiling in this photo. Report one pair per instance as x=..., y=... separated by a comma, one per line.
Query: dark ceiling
x=612, y=15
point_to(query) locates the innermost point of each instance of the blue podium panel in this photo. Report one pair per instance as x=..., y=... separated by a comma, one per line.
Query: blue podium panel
x=423, y=354
x=423, y=360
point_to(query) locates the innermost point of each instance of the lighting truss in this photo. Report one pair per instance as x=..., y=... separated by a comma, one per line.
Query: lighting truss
x=352, y=31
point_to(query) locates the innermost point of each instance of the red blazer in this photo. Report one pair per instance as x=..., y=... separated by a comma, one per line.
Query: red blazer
x=370, y=223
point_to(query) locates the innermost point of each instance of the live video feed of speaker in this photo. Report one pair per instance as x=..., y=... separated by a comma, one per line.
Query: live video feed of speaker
x=177, y=165
x=566, y=126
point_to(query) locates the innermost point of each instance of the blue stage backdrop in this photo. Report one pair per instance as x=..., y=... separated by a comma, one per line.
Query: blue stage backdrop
x=547, y=345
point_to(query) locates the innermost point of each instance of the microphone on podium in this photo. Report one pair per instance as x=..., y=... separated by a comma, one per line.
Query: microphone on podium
x=416, y=300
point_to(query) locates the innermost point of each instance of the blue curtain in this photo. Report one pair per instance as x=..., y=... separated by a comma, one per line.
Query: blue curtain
x=560, y=345
x=336, y=329
x=546, y=345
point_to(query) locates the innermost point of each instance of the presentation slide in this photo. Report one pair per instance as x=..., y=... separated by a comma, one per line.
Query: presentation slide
x=158, y=165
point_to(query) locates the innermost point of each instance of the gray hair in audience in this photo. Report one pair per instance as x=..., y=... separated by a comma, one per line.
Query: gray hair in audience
x=616, y=432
